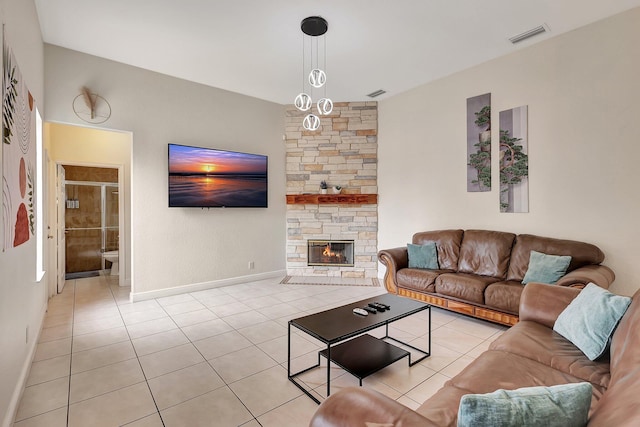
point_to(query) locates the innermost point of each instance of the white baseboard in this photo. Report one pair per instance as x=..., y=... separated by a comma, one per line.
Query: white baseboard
x=195, y=287
x=24, y=374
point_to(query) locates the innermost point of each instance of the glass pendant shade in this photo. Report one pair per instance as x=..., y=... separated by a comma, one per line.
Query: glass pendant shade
x=303, y=102
x=325, y=106
x=311, y=122
x=317, y=78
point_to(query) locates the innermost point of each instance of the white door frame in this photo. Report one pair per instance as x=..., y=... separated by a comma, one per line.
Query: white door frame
x=60, y=228
x=51, y=223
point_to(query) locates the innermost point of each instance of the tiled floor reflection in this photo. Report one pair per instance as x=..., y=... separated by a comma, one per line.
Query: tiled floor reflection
x=212, y=358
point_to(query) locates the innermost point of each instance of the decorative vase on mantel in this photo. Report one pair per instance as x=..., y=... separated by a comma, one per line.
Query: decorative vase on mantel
x=323, y=187
x=337, y=189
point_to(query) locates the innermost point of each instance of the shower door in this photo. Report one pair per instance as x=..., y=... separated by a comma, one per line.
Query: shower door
x=91, y=222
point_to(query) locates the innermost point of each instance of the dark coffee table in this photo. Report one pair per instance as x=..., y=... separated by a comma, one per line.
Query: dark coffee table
x=348, y=346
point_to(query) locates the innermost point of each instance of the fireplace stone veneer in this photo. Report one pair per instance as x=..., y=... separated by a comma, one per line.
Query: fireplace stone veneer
x=343, y=151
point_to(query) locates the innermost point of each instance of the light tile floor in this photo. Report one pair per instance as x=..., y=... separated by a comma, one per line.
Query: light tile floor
x=214, y=358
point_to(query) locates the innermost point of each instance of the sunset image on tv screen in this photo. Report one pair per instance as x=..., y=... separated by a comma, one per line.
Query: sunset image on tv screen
x=205, y=177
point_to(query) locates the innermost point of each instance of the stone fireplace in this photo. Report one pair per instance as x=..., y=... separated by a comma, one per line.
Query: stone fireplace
x=342, y=152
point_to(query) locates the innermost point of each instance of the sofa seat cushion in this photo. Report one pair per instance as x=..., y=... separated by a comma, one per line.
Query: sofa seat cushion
x=418, y=279
x=467, y=287
x=493, y=370
x=504, y=296
x=537, y=342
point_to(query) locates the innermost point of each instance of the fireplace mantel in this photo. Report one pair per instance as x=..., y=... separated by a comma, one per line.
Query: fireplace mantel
x=332, y=199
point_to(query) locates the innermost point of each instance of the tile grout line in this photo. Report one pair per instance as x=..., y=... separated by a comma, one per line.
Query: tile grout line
x=146, y=380
x=73, y=315
x=218, y=374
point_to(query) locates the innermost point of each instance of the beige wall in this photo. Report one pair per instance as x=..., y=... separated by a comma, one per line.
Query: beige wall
x=22, y=299
x=96, y=147
x=176, y=247
x=583, y=91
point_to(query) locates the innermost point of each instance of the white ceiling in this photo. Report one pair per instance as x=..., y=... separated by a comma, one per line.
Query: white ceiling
x=254, y=47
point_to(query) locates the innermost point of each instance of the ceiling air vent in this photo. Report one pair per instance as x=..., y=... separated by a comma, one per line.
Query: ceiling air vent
x=528, y=34
x=376, y=93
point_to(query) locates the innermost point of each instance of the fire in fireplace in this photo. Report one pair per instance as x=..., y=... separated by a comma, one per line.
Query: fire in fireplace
x=330, y=253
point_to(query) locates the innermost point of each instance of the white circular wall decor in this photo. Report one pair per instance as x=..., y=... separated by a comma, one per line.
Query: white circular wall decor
x=98, y=113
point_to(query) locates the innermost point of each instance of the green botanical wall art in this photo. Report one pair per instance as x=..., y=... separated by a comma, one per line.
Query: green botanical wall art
x=479, y=143
x=514, y=160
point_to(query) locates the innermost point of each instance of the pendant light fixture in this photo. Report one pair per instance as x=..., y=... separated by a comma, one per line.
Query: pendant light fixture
x=314, y=27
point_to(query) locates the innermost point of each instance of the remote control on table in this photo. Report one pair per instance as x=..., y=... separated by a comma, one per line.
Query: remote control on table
x=376, y=307
x=385, y=306
x=360, y=311
x=370, y=310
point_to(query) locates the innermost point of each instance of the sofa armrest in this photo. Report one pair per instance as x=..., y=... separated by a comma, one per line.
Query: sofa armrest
x=543, y=303
x=359, y=407
x=601, y=275
x=394, y=259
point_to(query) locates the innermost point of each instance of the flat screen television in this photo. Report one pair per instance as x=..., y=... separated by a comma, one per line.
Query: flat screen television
x=209, y=178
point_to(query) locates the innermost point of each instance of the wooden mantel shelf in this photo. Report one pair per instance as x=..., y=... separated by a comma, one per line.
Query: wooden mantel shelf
x=333, y=199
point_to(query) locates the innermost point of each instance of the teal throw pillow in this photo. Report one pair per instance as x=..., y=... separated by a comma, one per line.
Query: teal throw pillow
x=565, y=405
x=590, y=319
x=545, y=268
x=423, y=256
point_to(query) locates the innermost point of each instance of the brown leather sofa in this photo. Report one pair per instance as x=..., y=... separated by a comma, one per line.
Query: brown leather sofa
x=481, y=271
x=528, y=354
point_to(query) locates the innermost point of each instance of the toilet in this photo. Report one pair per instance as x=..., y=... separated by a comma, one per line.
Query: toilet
x=112, y=257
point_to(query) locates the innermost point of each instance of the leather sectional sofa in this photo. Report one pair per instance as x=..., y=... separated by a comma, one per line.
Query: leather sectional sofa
x=528, y=354
x=480, y=271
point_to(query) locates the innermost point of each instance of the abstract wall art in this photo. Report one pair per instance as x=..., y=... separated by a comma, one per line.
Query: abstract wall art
x=18, y=154
x=479, y=143
x=514, y=160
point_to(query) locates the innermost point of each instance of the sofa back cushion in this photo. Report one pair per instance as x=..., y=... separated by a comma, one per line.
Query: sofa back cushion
x=581, y=253
x=619, y=405
x=485, y=253
x=448, y=245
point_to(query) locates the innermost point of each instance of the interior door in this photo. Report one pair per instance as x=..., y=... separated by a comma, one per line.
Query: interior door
x=61, y=201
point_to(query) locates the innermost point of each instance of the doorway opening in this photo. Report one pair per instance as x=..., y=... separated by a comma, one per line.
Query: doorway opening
x=106, y=242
